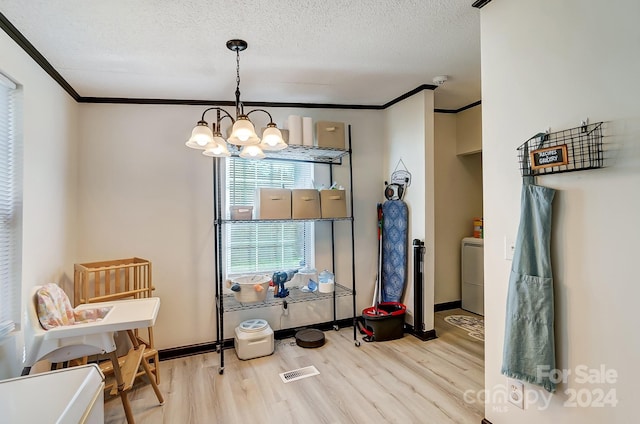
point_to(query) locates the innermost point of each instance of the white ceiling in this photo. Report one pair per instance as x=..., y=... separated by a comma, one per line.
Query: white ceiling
x=365, y=52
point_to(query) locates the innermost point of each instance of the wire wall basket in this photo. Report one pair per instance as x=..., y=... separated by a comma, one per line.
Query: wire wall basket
x=569, y=150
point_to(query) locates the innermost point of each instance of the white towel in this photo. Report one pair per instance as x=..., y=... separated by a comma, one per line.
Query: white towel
x=307, y=131
x=295, y=129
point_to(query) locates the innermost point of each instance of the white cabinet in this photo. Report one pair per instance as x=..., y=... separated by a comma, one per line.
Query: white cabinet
x=469, y=131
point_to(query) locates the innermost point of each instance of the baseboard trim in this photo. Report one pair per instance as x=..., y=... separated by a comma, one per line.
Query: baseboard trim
x=439, y=307
x=183, y=351
x=422, y=335
x=197, y=349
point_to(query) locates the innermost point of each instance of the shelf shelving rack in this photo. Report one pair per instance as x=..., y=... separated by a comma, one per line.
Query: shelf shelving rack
x=226, y=302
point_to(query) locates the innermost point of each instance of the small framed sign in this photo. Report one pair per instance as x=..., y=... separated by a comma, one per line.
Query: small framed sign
x=548, y=157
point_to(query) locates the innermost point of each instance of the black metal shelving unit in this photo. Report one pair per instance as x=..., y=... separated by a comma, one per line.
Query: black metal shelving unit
x=226, y=302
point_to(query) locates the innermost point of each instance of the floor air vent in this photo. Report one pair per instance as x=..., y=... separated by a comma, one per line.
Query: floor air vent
x=298, y=374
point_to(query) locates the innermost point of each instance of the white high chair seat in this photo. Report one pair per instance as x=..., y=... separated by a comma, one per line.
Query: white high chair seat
x=69, y=342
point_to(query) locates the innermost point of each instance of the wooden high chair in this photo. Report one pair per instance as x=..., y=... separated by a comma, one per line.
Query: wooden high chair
x=118, y=279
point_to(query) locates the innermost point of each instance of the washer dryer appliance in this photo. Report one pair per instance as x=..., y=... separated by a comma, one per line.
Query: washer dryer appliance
x=472, y=275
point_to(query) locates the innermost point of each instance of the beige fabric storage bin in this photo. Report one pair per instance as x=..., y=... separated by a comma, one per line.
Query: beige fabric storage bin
x=330, y=134
x=241, y=212
x=305, y=204
x=273, y=203
x=333, y=203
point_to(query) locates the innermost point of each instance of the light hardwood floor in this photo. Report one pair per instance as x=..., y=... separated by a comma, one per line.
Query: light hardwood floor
x=398, y=381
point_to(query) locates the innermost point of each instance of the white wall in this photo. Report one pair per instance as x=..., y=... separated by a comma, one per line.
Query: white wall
x=553, y=64
x=143, y=193
x=458, y=199
x=49, y=182
x=410, y=136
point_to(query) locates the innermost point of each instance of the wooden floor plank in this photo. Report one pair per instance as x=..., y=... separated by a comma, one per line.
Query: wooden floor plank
x=398, y=381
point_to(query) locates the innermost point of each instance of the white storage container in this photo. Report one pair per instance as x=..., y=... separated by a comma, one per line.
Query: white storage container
x=253, y=338
x=326, y=282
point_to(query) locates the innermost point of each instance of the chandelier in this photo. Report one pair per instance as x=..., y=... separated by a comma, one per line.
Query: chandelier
x=243, y=133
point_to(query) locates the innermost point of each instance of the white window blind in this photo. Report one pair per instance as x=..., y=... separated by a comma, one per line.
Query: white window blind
x=266, y=247
x=10, y=207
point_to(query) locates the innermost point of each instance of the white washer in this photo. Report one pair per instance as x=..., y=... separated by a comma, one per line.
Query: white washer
x=472, y=275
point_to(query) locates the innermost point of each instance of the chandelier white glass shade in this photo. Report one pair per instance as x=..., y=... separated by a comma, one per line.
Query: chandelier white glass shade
x=252, y=151
x=217, y=147
x=200, y=136
x=272, y=138
x=243, y=132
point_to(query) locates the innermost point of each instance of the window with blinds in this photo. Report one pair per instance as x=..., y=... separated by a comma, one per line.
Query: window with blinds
x=266, y=247
x=10, y=207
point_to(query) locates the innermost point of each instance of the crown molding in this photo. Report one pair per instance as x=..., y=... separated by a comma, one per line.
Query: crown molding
x=409, y=94
x=141, y=101
x=127, y=100
x=29, y=48
x=20, y=40
x=469, y=106
x=480, y=3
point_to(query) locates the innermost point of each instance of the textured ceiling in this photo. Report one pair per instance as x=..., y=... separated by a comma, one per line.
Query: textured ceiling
x=306, y=51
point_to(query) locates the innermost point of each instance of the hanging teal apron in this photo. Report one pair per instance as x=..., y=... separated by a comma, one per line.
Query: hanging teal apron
x=529, y=348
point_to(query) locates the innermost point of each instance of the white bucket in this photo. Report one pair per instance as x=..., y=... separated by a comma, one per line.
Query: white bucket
x=253, y=288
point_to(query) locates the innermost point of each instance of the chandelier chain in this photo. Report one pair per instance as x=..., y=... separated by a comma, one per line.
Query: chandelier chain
x=239, y=107
x=237, y=69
